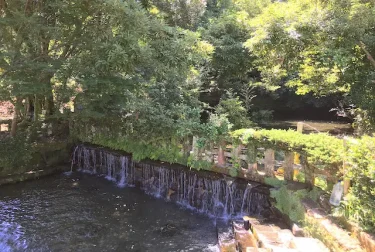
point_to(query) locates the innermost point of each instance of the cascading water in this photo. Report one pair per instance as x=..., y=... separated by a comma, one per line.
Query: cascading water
x=210, y=195
x=73, y=158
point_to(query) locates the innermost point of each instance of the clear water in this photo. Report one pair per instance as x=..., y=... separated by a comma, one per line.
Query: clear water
x=81, y=212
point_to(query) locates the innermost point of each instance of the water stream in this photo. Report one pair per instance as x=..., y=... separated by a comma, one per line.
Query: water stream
x=81, y=212
x=133, y=209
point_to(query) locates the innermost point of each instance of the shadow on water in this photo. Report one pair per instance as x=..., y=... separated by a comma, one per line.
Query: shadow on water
x=81, y=212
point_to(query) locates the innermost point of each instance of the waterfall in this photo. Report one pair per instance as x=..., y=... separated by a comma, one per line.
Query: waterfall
x=205, y=192
x=73, y=158
x=111, y=167
x=93, y=155
x=125, y=173
x=245, y=199
x=229, y=198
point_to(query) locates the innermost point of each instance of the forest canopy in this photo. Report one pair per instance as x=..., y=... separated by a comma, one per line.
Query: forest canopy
x=156, y=66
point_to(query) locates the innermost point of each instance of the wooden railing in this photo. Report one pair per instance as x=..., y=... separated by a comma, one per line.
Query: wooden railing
x=241, y=159
x=265, y=165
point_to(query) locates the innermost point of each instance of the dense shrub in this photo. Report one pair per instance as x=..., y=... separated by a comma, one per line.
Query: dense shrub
x=289, y=202
x=322, y=151
x=360, y=202
x=14, y=152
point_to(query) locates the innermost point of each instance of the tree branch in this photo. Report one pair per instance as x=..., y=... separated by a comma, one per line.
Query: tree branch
x=369, y=56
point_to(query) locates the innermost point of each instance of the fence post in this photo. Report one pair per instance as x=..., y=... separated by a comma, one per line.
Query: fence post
x=194, y=148
x=309, y=173
x=252, y=164
x=289, y=166
x=269, y=162
x=221, y=156
x=252, y=167
x=300, y=127
x=186, y=147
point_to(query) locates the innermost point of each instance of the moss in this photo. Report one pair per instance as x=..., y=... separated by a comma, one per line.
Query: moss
x=275, y=182
x=313, y=229
x=289, y=202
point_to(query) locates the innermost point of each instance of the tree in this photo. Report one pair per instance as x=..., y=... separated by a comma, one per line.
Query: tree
x=315, y=46
x=231, y=65
x=112, y=56
x=38, y=42
x=182, y=13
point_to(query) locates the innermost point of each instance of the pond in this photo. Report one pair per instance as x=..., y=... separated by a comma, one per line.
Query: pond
x=81, y=212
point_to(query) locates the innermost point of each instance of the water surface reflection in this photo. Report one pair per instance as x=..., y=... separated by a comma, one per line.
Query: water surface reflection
x=85, y=213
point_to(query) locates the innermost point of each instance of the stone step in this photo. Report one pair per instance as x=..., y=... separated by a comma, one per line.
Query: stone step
x=273, y=238
x=268, y=236
x=256, y=250
x=305, y=244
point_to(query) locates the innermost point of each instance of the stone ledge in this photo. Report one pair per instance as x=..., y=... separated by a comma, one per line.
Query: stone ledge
x=367, y=241
x=339, y=236
x=30, y=175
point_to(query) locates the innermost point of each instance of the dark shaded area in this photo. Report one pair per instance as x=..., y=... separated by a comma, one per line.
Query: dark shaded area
x=287, y=105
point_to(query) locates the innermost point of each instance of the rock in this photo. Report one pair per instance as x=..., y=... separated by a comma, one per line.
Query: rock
x=169, y=230
x=170, y=192
x=297, y=231
x=308, y=245
x=116, y=214
x=324, y=202
x=367, y=241
x=313, y=209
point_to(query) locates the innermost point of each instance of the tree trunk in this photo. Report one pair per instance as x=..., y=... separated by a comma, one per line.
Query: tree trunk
x=13, y=130
x=36, y=108
x=368, y=54
x=49, y=105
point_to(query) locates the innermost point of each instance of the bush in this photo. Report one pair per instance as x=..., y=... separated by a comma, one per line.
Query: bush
x=360, y=203
x=321, y=150
x=235, y=111
x=289, y=203
x=15, y=152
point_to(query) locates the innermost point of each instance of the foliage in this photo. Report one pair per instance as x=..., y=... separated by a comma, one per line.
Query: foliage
x=233, y=171
x=230, y=66
x=181, y=13
x=166, y=150
x=313, y=228
x=363, y=122
x=275, y=182
x=236, y=113
x=111, y=58
x=199, y=164
x=360, y=203
x=289, y=202
x=15, y=152
x=262, y=116
x=322, y=151
x=216, y=130
x=322, y=47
